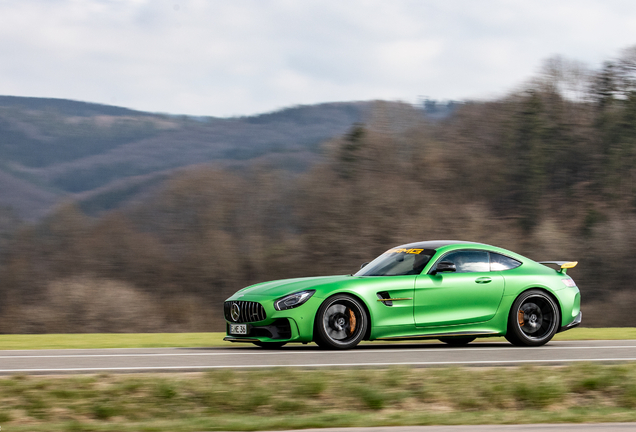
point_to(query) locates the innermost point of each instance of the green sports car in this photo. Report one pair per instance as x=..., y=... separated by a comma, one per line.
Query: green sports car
x=453, y=291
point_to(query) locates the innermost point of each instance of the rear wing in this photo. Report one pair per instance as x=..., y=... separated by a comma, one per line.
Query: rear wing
x=565, y=265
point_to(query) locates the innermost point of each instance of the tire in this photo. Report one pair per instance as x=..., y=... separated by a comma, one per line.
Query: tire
x=270, y=345
x=533, y=320
x=457, y=341
x=341, y=322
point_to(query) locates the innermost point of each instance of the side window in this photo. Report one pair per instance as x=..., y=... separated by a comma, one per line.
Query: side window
x=500, y=262
x=407, y=264
x=469, y=261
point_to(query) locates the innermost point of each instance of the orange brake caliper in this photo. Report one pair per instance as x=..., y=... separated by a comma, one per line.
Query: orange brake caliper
x=352, y=322
x=520, y=318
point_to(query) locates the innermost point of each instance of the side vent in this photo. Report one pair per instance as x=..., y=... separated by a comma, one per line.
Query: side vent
x=382, y=295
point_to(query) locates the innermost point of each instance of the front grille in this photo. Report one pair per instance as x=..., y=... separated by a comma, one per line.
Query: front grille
x=248, y=311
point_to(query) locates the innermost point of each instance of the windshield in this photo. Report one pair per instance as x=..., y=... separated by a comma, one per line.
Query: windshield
x=398, y=262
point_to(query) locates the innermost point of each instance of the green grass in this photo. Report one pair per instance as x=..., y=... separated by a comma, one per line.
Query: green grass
x=111, y=340
x=296, y=399
x=582, y=333
x=159, y=340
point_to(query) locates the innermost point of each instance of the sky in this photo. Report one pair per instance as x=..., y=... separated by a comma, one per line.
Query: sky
x=242, y=57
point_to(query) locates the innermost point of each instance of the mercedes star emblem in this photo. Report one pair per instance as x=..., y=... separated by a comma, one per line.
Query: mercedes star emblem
x=236, y=312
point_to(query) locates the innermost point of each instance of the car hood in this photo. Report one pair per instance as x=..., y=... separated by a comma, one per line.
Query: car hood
x=283, y=287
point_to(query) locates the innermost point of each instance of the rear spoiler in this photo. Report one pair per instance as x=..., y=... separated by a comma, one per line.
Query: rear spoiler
x=565, y=265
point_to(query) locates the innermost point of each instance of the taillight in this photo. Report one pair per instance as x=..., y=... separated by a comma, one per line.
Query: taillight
x=568, y=282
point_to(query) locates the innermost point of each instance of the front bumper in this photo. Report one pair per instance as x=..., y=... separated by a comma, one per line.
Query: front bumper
x=292, y=325
x=575, y=323
x=280, y=330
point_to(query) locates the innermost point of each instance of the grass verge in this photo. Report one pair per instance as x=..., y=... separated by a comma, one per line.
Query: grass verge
x=611, y=333
x=295, y=399
x=159, y=340
x=111, y=340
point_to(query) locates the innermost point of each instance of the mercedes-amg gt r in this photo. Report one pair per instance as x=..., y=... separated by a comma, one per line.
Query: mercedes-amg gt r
x=453, y=291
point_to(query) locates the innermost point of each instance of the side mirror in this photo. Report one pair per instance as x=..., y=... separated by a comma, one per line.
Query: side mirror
x=445, y=266
x=363, y=264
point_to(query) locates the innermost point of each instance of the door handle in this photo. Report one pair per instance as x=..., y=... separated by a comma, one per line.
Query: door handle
x=483, y=280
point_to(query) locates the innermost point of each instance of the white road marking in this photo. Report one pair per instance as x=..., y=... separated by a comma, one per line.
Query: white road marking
x=241, y=352
x=317, y=365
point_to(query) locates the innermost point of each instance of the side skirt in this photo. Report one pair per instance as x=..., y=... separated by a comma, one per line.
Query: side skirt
x=445, y=334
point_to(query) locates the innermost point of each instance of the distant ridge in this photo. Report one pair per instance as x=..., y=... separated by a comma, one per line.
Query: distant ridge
x=52, y=150
x=66, y=106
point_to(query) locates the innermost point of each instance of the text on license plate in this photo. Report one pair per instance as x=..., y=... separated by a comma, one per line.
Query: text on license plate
x=238, y=329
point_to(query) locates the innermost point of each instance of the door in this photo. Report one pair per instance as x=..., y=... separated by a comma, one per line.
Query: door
x=471, y=294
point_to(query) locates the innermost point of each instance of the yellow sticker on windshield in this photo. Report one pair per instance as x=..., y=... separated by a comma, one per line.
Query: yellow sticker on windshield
x=402, y=250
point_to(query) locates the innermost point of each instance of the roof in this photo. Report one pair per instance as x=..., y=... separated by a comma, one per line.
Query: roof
x=436, y=244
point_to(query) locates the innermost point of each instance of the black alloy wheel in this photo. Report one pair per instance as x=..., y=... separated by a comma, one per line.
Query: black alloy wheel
x=341, y=322
x=534, y=319
x=457, y=341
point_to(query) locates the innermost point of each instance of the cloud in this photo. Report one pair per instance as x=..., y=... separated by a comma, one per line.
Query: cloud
x=211, y=57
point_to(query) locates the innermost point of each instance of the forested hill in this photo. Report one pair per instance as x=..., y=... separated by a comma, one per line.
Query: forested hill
x=548, y=171
x=99, y=155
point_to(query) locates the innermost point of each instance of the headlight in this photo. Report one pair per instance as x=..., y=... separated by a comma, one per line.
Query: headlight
x=293, y=300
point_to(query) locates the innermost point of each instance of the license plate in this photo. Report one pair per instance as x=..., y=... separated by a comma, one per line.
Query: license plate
x=238, y=329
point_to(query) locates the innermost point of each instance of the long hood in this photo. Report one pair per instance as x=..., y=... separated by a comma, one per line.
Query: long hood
x=283, y=287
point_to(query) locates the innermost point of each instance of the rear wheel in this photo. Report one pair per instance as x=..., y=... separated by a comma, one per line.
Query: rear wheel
x=534, y=319
x=457, y=341
x=341, y=322
x=270, y=345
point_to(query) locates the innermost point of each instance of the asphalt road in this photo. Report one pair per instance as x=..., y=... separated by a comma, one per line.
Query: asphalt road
x=310, y=356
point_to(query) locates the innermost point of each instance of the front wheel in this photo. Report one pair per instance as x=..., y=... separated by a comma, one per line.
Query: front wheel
x=534, y=319
x=341, y=322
